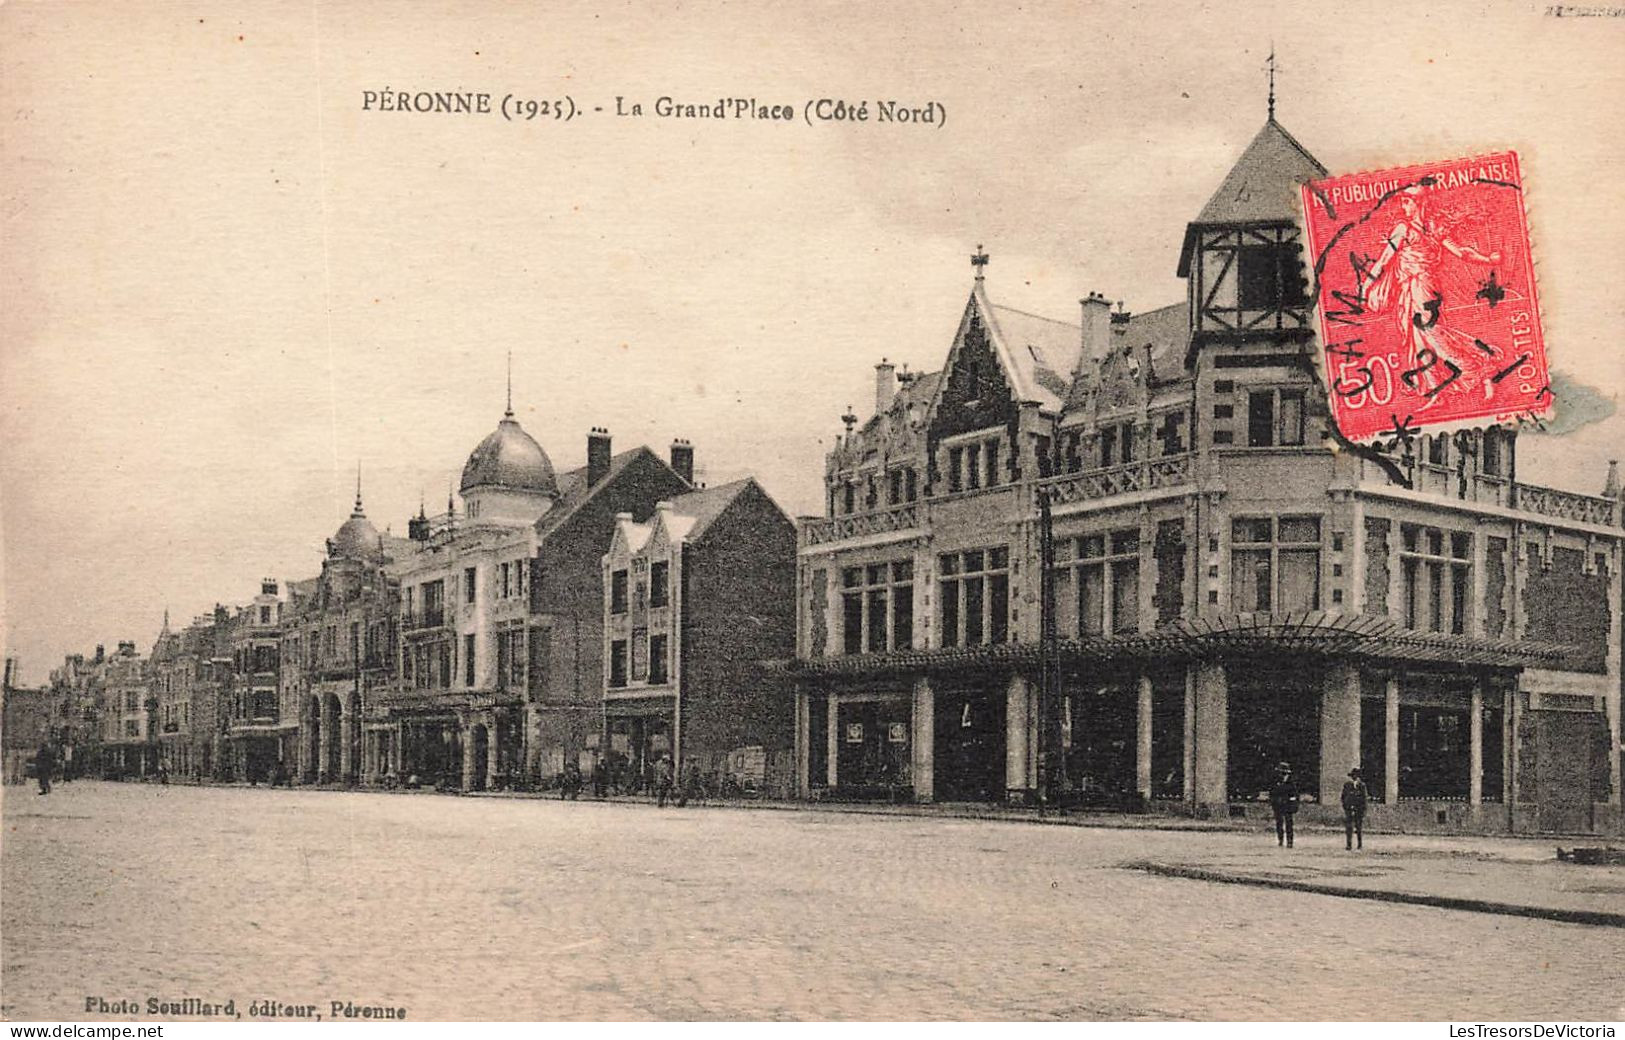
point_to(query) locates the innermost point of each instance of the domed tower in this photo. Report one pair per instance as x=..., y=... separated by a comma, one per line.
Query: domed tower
x=508, y=478
x=356, y=538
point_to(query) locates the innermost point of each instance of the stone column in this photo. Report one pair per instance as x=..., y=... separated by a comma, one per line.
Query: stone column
x=833, y=738
x=803, y=742
x=1475, y=754
x=1142, y=740
x=1188, y=765
x=329, y=736
x=493, y=754
x=924, y=743
x=1212, y=728
x=1390, y=749
x=466, y=734
x=1015, y=739
x=1339, y=728
x=347, y=723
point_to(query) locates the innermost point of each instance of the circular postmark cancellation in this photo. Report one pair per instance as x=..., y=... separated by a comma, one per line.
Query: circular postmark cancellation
x=1425, y=292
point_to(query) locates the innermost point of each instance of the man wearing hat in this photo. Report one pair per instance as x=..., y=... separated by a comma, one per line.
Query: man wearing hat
x=1284, y=800
x=1354, y=796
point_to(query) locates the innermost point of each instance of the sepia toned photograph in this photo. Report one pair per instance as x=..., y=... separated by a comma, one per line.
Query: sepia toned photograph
x=812, y=512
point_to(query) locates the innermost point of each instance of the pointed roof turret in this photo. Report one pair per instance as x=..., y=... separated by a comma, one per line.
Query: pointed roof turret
x=357, y=537
x=1262, y=186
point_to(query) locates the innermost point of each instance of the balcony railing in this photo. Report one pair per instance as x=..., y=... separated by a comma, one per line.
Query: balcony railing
x=1145, y=475
x=819, y=530
x=1566, y=505
x=423, y=619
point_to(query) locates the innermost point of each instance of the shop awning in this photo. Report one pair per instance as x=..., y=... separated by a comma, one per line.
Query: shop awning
x=1376, y=639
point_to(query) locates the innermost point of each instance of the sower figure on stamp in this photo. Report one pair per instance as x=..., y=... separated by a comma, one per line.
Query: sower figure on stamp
x=1284, y=800
x=1405, y=278
x=1354, y=798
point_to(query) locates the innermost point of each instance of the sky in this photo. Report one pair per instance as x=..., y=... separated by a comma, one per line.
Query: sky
x=224, y=286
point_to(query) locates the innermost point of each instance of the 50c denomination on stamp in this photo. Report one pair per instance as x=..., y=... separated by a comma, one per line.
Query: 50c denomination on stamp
x=1426, y=296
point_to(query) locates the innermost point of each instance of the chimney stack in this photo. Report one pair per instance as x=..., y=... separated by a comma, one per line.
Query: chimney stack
x=1611, y=488
x=11, y=671
x=268, y=586
x=101, y=653
x=1097, y=327
x=682, y=459
x=885, y=385
x=597, y=455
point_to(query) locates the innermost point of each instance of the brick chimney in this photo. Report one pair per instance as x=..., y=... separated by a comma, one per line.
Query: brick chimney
x=1610, y=488
x=11, y=671
x=885, y=385
x=682, y=459
x=598, y=455
x=1097, y=327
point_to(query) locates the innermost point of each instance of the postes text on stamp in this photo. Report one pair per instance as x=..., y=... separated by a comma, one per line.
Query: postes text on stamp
x=1426, y=296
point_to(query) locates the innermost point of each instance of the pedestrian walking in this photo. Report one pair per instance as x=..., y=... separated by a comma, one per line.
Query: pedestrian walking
x=1354, y=799
x=664, y=780
x=600, y=779
x=1284, y=800
x=44, y=764
x=691, y=785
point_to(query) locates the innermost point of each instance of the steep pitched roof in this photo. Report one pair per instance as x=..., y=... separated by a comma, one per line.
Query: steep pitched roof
x=1261, y=186
x=1166, y=331
x=1039, y=353
x=575, y=492
x=700, y=508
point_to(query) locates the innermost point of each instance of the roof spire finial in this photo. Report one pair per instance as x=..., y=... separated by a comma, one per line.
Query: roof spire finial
x=357, y=488
x=509, y=413
x=1272, y=80
x=979, y=260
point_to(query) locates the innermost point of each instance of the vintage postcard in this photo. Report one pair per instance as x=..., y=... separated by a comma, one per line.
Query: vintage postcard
x=819, y=512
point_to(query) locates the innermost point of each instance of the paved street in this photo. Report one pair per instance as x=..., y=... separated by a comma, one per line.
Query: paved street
x=508, y=908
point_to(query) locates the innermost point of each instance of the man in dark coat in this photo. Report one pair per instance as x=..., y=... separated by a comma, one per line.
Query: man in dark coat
x=44, y=764
x=1354, y=798
x=1284, y=800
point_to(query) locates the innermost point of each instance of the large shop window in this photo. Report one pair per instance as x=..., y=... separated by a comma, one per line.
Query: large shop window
x=1274, y=564
x=877, y=607
x=975, y=597
x=1436, y=574
x=1097, y=583
x=1434, y=752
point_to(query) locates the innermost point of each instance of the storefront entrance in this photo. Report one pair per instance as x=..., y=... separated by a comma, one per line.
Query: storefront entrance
x=872, y=749
x=970, y=744
x=1274, y=717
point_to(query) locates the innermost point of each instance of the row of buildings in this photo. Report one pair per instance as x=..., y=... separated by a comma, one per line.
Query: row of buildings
x=585, y=618
x=1114, y=561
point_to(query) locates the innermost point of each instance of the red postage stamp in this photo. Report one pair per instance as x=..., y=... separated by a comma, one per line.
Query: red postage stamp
x=1426, y=296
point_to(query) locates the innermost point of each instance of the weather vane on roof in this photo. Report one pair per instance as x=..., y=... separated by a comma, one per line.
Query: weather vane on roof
x=978, y=260
x=1272, y=80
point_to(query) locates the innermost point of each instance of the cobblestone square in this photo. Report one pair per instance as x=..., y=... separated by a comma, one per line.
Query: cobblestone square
x=494, y=908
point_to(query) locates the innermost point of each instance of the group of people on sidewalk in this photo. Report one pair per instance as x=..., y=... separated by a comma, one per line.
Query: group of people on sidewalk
x=664, y=783
x=1284, y=802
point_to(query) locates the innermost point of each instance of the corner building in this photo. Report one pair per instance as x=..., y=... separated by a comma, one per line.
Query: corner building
x=1223, y=591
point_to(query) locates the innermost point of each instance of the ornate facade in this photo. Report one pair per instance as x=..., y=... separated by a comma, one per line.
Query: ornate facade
x=1123, y=562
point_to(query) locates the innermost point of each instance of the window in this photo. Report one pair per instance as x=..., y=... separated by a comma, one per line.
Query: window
x=657, y=659
x=434, y=603
x=617, y=592
x=1108, y=445
x=1495, y=454
x=1171, y=433
x=659, y=572
x=444, y=653
x=1275, y=564
x=877, y=607
x=617, y=663
x=975, y=597
x=956, y=469
x=265, y=615
x=640, y=583
x=469, y=575
x=1097, y=583
x=849, y=501
x=1436, y=574
x=1270, y=276
x=1437, y=451
x=504, y=588
x=1275, y=418
x=992, y=449
x=1046, y=462
x=640, y=655
x=468, y=660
